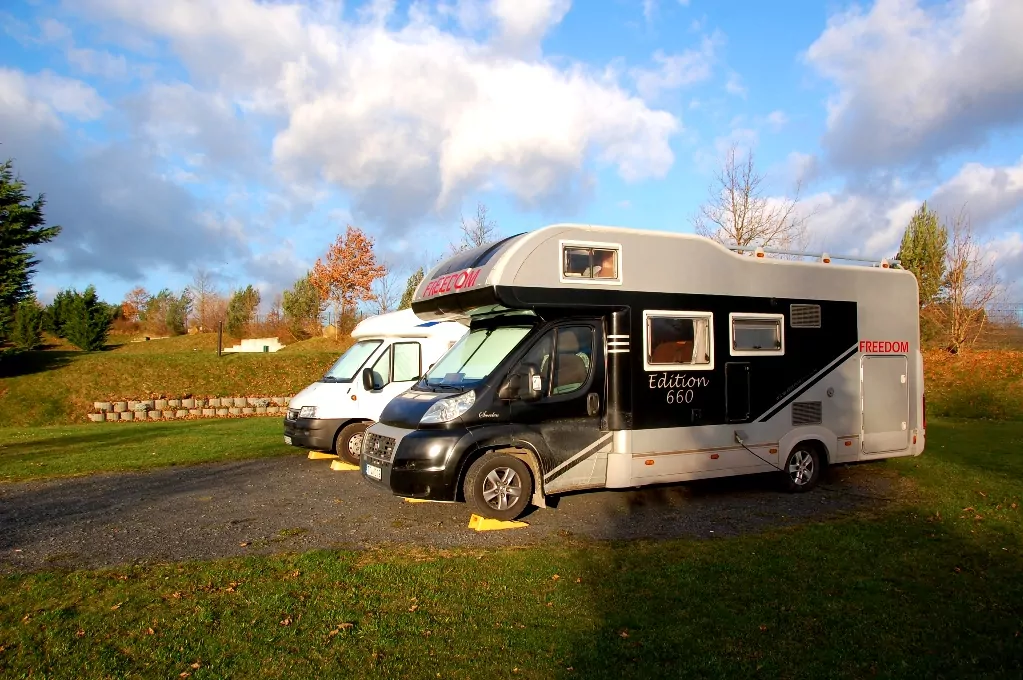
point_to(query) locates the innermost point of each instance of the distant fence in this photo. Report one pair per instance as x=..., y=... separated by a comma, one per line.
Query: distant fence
x=1006, y=314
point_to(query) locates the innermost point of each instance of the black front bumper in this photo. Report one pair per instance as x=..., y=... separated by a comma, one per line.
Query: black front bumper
x=425, y=464
x=316, y=434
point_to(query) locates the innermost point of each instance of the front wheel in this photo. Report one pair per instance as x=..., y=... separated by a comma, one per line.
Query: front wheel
x=498, y=486
x=348, y=444
x=802, y=468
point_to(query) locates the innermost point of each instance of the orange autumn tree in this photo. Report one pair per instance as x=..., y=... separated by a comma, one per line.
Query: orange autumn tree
x=134, y=304
x=345, y=277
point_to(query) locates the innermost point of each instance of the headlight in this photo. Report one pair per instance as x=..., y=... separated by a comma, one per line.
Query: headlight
x=307, y=412
x=448, y=409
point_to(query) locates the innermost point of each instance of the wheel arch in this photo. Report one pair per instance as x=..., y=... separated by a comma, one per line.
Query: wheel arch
x=519, y=449
x=822, y=439
x=345, y=423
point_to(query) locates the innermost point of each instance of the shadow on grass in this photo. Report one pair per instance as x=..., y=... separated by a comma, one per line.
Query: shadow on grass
x=898, y=595
x=36, y=361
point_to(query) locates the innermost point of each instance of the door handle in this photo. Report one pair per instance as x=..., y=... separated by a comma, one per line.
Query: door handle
x=592, y=404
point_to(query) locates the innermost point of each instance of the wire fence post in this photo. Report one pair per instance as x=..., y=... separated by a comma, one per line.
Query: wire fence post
x=220, y=338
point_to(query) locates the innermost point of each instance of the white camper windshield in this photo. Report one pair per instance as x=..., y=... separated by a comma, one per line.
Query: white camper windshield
x=345, y=368
x=475, y=355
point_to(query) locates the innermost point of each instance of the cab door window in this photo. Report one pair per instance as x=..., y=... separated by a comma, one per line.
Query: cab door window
x=407, y=361
x=574, y=359
x=382, y=369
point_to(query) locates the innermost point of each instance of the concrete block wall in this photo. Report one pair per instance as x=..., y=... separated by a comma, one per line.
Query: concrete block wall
x=187, y=408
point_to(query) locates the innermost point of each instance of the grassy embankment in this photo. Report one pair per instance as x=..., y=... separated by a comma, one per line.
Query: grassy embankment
x=58, y=385
x=928, y=586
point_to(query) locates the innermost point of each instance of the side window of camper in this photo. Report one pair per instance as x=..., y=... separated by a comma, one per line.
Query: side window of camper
x=591, y=263
x=407, y=361
x=757, y=334
x=382, y=368
x=575, y=356
x=679, y=340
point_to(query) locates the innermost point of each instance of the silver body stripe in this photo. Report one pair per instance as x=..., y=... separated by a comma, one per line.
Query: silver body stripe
x=834, y=362
x=618, y=337
x=579, y=455
x=617, y=351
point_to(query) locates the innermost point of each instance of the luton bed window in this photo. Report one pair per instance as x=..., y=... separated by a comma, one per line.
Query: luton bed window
x=591, y=262
x=756, y=334
x=678, y=340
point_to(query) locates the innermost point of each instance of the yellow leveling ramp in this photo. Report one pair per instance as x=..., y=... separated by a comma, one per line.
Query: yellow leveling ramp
x=320, y=455
x=341, y=465
x=418, y=500
x=486, y=524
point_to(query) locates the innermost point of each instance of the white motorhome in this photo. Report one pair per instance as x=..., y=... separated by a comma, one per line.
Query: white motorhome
x=391, y=352
x=604, y=357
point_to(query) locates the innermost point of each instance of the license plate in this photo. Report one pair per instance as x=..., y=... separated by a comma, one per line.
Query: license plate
x=373, y=471
x=287, y=439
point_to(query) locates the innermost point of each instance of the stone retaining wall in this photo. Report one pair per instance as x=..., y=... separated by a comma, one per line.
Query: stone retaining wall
x=187, y=408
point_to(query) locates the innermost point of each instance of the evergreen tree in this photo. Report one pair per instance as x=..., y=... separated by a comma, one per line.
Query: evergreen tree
x=88, y=321
x=302, y=307
x=56, y=314
x=240, y=309
x=28, y=325
x=923, y=252
x=410, y=289
x=5, y=324
x=22, y=225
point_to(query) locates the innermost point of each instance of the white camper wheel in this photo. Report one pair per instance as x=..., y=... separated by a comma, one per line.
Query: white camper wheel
x=348, y=443
x=802, y=468
x=498, y=486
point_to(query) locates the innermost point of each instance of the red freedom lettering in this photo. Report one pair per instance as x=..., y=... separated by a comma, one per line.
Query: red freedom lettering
x=456, y=281
x=884, y=346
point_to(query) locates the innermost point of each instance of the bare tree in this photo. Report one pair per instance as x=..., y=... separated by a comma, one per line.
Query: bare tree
x=203, y=291
x=477, y=231
x=738, y=214
x=971, y=284
x=387, y=290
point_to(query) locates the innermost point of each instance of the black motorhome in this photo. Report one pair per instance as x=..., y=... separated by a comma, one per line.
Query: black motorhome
x=602, y=357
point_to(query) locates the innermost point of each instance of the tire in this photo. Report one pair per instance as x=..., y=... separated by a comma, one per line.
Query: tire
x=498, y=486
x=350, y=436
x=802, y=469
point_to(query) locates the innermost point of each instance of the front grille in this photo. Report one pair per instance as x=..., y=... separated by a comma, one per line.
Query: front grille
x=379, y=447
x=806, y=413
x=292, y=414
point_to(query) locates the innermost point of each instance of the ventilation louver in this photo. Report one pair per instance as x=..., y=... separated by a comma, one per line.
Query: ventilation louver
x=806, y=413
x=805, y=316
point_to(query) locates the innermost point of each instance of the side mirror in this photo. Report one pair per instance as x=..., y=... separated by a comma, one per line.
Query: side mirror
x=510, y=388
x=368, y=383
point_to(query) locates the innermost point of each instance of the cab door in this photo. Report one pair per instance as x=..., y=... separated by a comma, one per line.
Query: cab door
x=566, y=416
x=395, y=370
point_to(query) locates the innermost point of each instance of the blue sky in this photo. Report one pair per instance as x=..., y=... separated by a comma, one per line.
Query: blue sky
x=241, y=136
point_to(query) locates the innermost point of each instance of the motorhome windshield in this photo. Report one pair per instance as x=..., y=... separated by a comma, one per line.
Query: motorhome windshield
x=475, y=355
x=345, y=368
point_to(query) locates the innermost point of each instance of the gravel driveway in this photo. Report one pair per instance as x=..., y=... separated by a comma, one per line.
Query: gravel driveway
x=295, y=504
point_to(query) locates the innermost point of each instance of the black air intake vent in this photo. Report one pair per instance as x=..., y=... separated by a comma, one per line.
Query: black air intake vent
x=806, y=413
x=805, y=316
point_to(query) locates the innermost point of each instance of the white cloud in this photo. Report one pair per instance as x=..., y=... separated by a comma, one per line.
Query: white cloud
x=46, y=96
x=915, y=81
x=734, y=85
x=776, y=120
x=410, y=121
x=674, y=71
x=98, y=62
x=988, y=194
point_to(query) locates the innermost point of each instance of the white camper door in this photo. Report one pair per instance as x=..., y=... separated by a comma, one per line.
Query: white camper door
x=884, y=393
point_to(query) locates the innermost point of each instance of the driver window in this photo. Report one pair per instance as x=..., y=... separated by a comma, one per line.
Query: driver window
x=382, y=368
x=575, y=355
x=540, y=356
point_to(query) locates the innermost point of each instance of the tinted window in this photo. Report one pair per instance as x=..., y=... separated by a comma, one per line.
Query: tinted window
x=590, y=263
x=678, y=340
x=756, y=334
x=575, y=356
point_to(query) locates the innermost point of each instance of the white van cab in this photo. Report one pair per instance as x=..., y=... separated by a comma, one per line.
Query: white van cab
x=391, y=352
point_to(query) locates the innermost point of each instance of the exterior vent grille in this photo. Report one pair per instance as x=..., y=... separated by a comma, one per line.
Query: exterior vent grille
x=806, y=413
x=805, y=316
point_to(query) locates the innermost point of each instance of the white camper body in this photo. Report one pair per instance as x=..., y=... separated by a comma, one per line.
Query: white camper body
x=606, y=357
x=396, y=349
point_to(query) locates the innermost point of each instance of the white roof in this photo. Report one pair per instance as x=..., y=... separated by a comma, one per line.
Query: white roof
x=404, y=323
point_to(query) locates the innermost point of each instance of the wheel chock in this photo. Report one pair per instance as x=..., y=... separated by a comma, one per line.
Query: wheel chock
x=486, y=524
x=418, y=500
x=320, y=455
x=342, y=466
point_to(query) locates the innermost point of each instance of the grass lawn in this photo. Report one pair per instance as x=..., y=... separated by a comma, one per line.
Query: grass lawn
x=58, y=386
x=929, y=587
x=105, y=447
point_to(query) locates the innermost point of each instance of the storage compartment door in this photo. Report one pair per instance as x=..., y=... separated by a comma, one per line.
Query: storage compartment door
x=884, y=393
x=737, y=392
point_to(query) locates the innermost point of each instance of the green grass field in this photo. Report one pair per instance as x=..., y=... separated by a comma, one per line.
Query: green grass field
x=58, y=386
x=930, y=586
x=69, y=450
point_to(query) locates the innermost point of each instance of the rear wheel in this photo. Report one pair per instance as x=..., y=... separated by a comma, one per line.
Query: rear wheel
x=348, y=443
x=802, y=468
x=498, y=486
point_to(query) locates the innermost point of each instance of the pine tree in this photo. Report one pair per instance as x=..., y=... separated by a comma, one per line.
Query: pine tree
x=88, y=321
x=28, y=325
x=923, y=252
x=21, y=226
x=57, y=313
x=302, y=307
x=410, y=289
x=240, y=310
